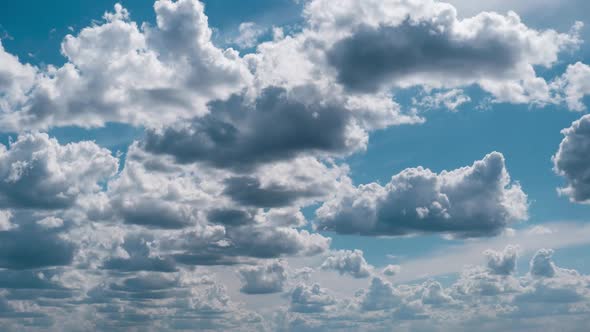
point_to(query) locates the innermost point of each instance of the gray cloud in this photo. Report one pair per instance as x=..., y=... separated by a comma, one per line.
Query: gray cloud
x=372, y=57
x=542, y=265
x=240, y=134
x=248, y=191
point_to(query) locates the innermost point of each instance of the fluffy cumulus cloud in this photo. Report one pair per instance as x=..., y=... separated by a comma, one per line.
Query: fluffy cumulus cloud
x=309, y=299
x=572, y=160
x=370, y=46
x=477, y=200
x=264, y=279
x=504, y=262
x=38, y=172
x=349, y=262
x=120, y=71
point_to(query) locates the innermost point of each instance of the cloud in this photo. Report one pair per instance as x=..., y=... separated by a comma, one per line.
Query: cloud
x=503, y=263
x=391, y=270
x=183, y=212
x=451, y=100
x=117, y=71
x=542, y=264
x=364, y=60
x=310, y=299
x=379, y=296
x=573, y=84
x=15, y=79
x=249, y=32
x=39, y=173
x=572, y=162
x=238, y=133
x=473, y=201
x=479, y=297
x=349, y=262
x=31, y=247
x=405, y=44
x=263, y=279
x=120, y=71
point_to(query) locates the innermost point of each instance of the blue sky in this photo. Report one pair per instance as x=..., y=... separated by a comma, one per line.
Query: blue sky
x=164, y=172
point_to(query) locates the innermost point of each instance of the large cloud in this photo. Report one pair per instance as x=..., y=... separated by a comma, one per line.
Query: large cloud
x=239, y=133
x=400, y=44
x=572, y=160
x=477, y=200
x=118, y=71
x=37, y=172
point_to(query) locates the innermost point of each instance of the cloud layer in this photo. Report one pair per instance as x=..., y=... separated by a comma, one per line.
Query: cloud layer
x=202, y=221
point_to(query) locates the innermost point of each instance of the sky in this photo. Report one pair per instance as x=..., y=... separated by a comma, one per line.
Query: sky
x=294, y=165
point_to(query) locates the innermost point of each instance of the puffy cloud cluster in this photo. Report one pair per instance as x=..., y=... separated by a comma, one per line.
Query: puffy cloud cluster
x=477, y=200
x=572, y=160
x=366, y=47
x=491, y=297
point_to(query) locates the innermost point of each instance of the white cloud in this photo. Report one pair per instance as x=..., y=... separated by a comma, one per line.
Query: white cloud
x=249, y=32
x=572, y=160
x=504, y=262
x=310, y=299
x=263, y=279
x=119, y=71
x=328, y=50
x=348, y=262
x=38, y=172
x=477, y=200
x=574, y=85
